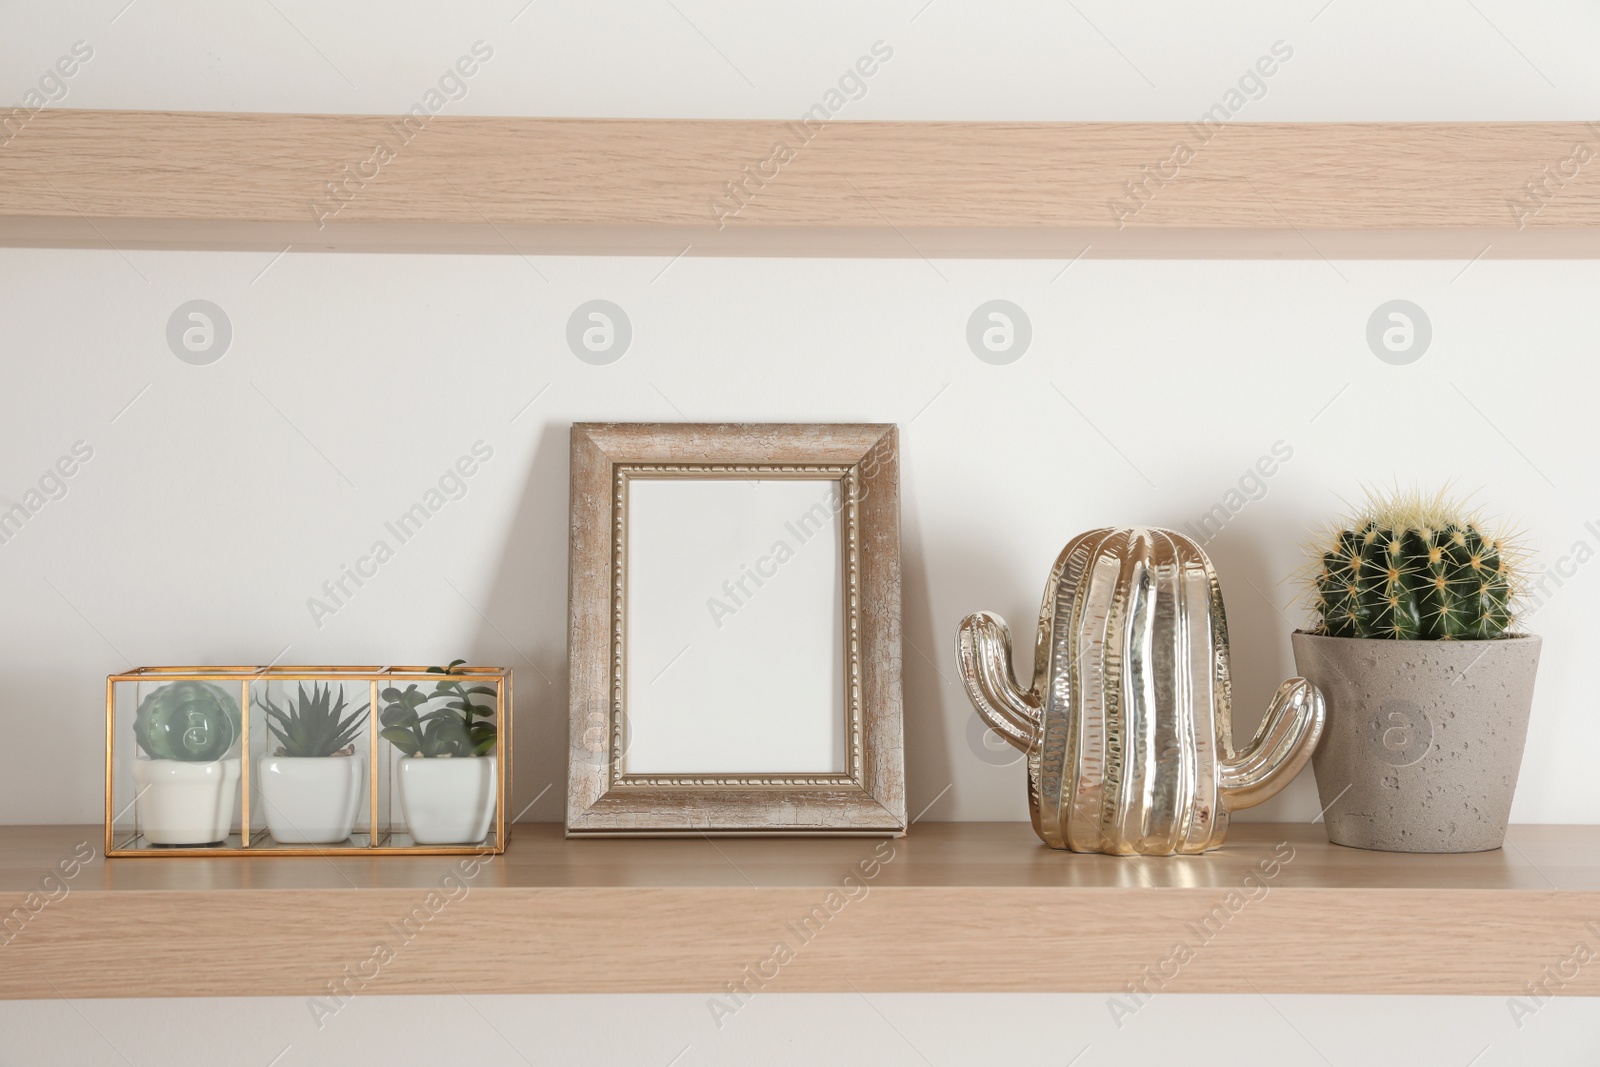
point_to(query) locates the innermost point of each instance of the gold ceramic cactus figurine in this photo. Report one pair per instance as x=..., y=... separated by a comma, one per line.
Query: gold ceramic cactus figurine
x=1128, y=728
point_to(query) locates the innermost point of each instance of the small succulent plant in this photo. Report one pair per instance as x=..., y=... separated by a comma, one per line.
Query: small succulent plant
x=196, y=722
x=1415, y=568
x=458, y=728
x=315, y=724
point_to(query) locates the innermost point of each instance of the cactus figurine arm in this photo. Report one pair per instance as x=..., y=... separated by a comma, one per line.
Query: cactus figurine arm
x=983, y=647
x=1285, y=740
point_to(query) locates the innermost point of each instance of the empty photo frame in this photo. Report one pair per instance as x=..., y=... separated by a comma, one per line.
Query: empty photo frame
x=734, y=642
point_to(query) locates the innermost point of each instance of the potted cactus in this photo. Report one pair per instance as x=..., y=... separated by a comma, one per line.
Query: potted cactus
x=187, y=779
x=1428, y=686
x=447, y=772
x=311, y=785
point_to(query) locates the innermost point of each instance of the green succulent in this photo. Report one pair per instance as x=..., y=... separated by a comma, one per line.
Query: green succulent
x=315, y=725
x=196, y=722
x=458, y=728
x=1416, y=569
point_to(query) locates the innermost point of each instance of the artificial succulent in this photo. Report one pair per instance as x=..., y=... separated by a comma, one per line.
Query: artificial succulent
x=457, y=728
x=313, y=725
x=195, y=722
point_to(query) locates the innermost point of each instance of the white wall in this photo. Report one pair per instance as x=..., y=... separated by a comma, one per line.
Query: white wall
x=214, y=507
x=220, y=501
x=799, y=1030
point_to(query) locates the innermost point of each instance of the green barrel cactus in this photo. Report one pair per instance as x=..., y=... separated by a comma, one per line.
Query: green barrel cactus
x=195, y=722
x=1415, y=569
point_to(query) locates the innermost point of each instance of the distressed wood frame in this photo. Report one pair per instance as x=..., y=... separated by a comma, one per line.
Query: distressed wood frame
x=868, y=797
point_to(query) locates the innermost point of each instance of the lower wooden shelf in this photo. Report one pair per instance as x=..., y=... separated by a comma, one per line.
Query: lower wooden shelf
x=952, y=907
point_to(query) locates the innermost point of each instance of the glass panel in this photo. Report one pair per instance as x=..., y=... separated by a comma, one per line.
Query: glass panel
x=310, y=742
x=440, y=750
x=175, y=782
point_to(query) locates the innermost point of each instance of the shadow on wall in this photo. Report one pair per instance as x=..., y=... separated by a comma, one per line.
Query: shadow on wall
x=1261, y=614
x=530, y=587
x=927, y=677
x=943, y=731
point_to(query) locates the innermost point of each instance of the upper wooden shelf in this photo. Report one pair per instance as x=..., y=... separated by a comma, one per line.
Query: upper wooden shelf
x=652, y=187
x=952, y=907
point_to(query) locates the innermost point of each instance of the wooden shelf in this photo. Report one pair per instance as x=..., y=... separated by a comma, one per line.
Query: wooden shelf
x=952, y=907
x=89, y=179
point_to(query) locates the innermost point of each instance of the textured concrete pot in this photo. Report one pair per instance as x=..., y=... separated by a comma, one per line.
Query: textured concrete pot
x=1423, y=740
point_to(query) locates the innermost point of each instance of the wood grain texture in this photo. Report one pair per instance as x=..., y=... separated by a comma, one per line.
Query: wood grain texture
x=952, y=907
x=536, y=186
x=868, y=798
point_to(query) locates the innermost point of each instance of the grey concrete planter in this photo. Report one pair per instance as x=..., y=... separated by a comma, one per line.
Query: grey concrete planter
x=1423, y=740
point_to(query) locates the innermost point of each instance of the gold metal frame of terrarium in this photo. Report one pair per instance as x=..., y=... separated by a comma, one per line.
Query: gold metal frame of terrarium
x=250, y=840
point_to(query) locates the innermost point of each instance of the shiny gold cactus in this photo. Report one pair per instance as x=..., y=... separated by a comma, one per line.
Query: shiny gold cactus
x=1128, y=728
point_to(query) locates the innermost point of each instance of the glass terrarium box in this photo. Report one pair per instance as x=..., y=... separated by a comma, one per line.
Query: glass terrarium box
x=283, y=761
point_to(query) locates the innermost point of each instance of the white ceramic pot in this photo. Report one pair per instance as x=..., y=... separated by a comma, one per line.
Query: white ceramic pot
x=448, y=801
x=182, y=803
x=312, y=800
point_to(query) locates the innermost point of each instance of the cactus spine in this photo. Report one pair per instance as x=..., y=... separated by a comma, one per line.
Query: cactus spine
x=1411, y=570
